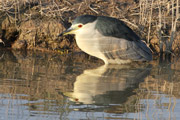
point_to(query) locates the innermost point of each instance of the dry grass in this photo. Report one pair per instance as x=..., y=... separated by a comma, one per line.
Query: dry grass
x=156, y=21
x=161, y=19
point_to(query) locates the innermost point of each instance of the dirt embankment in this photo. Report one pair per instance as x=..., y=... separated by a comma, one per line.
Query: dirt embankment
x=36, y=24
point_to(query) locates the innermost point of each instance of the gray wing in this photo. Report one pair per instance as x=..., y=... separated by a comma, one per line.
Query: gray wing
x=119, y=48
x=120, y=41
x=113, y=27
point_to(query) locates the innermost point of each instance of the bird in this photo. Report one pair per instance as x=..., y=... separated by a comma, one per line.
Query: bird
x=109, y=39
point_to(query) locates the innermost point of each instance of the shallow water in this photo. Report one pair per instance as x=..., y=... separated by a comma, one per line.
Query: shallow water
x=42, y=86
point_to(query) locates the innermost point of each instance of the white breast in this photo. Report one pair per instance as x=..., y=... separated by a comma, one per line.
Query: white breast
x=87, y=40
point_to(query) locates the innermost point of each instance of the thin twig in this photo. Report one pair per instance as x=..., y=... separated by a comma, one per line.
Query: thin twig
x=93, y=9
x=150, y=19
x=2, y=42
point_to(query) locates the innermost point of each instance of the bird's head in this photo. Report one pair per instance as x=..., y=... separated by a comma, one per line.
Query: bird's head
x=78, y=24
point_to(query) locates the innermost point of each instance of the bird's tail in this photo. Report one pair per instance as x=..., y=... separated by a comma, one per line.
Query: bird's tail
x=143, y=50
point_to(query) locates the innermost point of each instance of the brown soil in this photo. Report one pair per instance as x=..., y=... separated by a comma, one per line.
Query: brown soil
x=36, y=24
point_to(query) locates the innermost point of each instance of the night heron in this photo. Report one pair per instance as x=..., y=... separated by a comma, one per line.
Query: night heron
x=109, y=39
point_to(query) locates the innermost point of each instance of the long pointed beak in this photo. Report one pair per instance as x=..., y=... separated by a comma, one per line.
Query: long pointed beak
x=66, y=32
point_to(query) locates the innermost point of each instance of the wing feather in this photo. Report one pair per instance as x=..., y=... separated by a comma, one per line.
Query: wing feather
x=119, y=41
x=117, y=48
x=113, y=27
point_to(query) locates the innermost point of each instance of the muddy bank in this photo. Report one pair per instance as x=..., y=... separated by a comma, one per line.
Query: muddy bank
x=36, y=24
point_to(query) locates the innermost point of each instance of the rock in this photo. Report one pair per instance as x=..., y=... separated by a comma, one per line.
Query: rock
x=9, y=32
x=19, y=44
x=41, y=32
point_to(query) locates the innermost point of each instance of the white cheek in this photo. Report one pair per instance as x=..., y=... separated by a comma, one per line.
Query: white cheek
x=80, y=31
x=86, y=30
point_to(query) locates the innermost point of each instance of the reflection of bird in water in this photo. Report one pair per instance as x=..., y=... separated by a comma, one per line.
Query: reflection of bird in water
x=95, y=85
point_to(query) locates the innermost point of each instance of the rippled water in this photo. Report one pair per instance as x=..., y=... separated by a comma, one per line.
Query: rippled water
x=47, y=86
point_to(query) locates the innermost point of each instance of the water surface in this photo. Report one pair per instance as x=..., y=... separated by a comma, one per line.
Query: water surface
x=48, y=86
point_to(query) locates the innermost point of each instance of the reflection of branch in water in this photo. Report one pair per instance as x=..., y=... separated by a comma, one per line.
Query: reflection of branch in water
x=7, y=55
x=161, y=90
x=107, y=84
x=2, y=56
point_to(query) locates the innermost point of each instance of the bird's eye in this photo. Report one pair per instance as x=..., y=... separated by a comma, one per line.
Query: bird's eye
x=79, y=26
